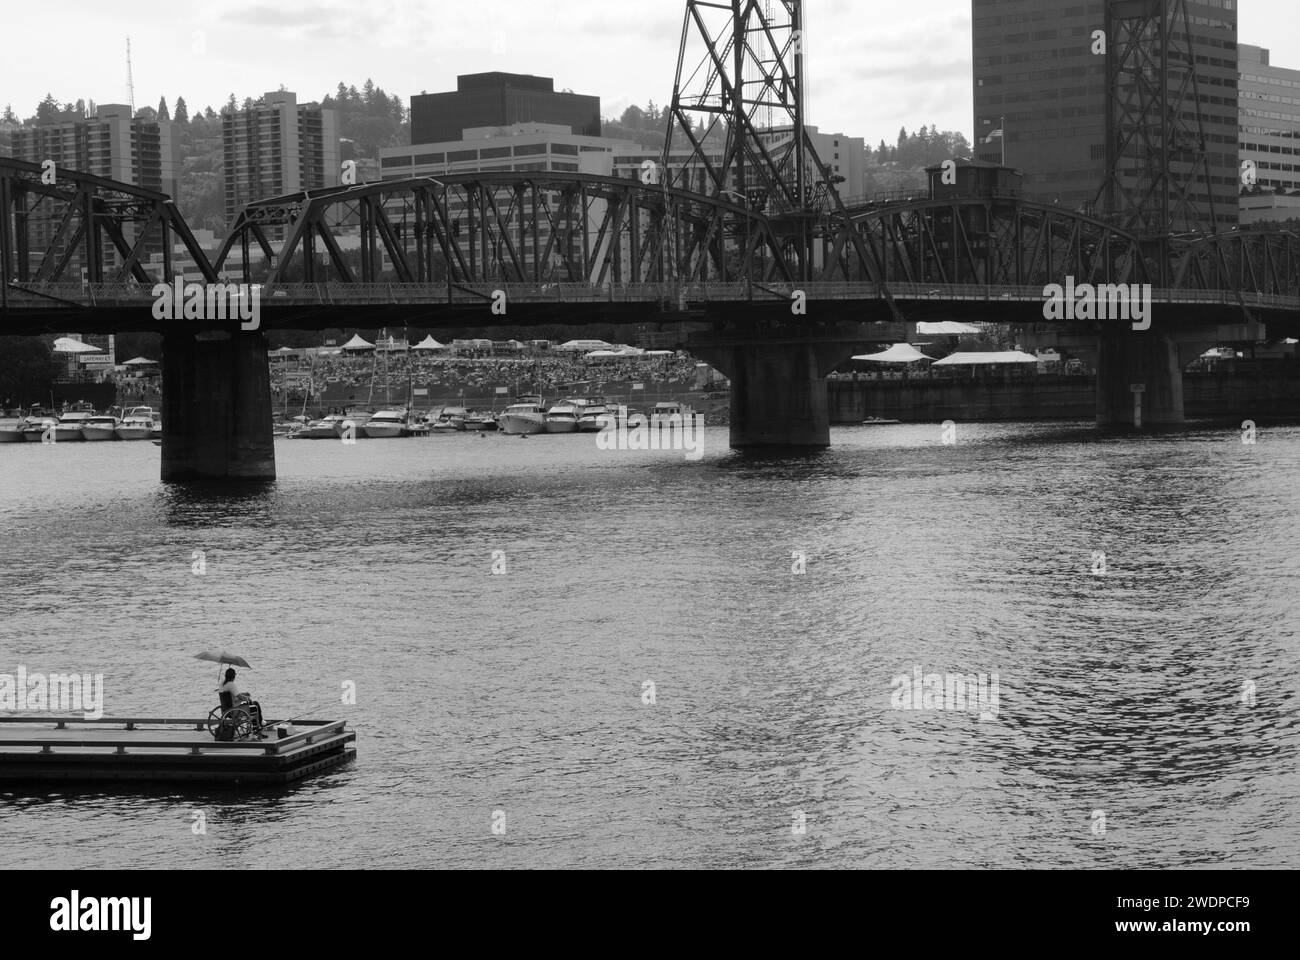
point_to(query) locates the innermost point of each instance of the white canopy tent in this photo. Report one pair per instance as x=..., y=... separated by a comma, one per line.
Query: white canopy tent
x=898, y=353
x=945, y=328
x=961, y=359
x=602, y=355
x=140, y=362
x=357, y=343
x=584, y=346
x=428, y=343
x=68, y=345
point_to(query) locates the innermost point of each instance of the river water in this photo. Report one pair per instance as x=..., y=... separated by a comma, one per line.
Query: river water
x=1157, y=700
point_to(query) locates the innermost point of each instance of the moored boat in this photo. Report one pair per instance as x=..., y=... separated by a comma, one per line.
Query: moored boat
x=449, y=420
x=562, y=417
x=37, y=429
x=525, y=416
x=384, y=425
x=100, y=428
x=327, y=428
x=69, y=428
x=477, y=421
x=134, y=427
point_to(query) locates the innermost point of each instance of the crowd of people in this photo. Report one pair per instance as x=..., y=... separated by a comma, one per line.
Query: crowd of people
x=451, y=374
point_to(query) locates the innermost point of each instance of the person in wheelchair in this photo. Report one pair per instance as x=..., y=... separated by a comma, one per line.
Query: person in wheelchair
x=231, y=697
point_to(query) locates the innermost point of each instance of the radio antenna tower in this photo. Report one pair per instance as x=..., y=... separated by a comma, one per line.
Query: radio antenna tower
x=130, y=81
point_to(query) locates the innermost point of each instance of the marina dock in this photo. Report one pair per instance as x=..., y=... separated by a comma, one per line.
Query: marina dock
x=70, y=749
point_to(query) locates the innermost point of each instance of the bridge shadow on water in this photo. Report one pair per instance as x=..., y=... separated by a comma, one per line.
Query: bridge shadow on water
x=215, y=503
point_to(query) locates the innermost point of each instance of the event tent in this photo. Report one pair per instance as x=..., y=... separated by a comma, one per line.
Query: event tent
x=944, y=328
x=984, y=359
x=68, y=345
x=140, y=362
x=898, y=353
x=584, y=346
x=357, y=343
x=428, y=343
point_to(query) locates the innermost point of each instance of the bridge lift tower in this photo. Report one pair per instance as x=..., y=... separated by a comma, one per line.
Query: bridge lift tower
x=1157, y=165
x=738, y=114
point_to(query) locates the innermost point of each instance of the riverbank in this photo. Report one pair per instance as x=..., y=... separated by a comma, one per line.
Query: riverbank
x=1244, y=395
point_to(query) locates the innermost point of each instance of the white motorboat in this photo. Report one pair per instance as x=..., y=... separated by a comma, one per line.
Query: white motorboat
x=37, y=429
x=100, y=428
x=385, y=425
x=672, y=415
x=135, y=427
x=524, y=416
x=562, y=417
x=593, y=414
x=449, y=420
x=69, y=428
x=328, y=428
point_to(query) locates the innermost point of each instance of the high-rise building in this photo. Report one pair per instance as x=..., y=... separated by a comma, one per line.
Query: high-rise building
x=278, y=146
x=1042, y=104
x=1269, y=111
x=110, y=144
x=500, y=100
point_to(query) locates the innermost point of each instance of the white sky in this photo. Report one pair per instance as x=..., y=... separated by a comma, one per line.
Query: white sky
x=872, y=66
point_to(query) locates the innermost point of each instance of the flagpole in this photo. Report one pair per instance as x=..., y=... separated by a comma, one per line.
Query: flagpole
x=1003, y=121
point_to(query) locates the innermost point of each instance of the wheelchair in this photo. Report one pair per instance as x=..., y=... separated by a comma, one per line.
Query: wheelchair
x=238, y=720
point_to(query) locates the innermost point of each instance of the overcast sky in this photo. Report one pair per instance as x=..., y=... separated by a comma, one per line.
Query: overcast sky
x=873, y=66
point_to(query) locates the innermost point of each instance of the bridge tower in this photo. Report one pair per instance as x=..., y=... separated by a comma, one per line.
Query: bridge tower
x=736, y=125
x=1158, y=182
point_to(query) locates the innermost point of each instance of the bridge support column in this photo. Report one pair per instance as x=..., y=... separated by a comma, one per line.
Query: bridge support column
x=1139, y=380
x=216, y=407
x=778, y=377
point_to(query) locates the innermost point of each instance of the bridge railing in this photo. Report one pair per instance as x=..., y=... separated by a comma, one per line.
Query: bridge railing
x=670, y=295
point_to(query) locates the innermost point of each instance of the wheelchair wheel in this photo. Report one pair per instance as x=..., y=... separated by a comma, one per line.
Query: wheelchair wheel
x=214, y=721
x=242, y=722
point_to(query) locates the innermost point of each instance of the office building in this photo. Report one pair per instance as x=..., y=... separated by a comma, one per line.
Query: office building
x=1269, y=111
x=1040, y=98
x=500, y=100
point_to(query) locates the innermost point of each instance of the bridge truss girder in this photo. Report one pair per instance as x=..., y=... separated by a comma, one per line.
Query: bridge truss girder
x=539, y=227
x=50, y=231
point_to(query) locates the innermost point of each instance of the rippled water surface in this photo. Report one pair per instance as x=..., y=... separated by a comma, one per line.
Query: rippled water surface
x=1124, y=693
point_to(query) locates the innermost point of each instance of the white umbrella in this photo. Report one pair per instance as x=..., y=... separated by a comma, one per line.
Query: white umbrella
x=68, y=345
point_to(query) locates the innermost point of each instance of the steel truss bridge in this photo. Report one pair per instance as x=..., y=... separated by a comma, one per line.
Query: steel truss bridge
x=742, y=222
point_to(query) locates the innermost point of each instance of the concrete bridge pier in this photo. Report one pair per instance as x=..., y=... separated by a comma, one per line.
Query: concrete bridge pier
x=778, y=378
x=216, y=407
x=1139, y=379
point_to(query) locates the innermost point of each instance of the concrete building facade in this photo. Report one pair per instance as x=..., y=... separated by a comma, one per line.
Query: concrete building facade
x=1038, y=81
x=110, y=144
x=278, y=146
x=1269, y=124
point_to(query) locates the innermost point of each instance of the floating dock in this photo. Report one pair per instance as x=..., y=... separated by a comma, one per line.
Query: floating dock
x=66, y=749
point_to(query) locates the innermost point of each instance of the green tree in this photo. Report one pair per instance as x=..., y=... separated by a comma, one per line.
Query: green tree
x=182, y=114
x=26, y=371
x=163, y=112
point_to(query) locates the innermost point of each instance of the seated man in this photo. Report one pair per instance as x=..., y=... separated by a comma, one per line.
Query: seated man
x=231, y=698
